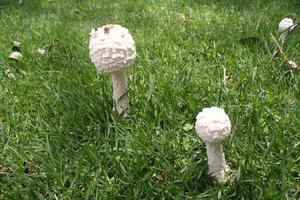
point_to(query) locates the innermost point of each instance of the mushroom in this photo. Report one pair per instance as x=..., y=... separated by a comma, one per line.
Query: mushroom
x=112, y=51
x=285, y=26
x=16, y=46
x=213, y=126
x=16, y=49
x=15, y=55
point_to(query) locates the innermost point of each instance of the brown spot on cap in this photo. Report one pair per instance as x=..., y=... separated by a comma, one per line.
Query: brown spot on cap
x=106, y=29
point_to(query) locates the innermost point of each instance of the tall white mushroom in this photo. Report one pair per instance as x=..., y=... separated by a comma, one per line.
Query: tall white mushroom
x=213, y=126
x=112, y=51
x=285, y=26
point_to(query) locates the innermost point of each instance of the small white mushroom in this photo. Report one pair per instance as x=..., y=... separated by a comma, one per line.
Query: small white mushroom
x=213, y=126
x=285, y=26
x=112, y=50
x=16, y=46
x=15, y=56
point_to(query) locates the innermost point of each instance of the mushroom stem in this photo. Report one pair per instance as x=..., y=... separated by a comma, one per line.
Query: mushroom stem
x=119, y=83
x=216, y=161
x=283, y=36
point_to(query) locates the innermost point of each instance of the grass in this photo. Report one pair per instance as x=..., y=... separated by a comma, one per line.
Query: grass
x=59, y=138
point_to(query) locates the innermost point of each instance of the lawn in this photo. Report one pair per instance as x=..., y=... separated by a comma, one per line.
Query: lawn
x=60, y=139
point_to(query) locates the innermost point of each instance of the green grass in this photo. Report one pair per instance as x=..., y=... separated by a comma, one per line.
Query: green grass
x=60, y=139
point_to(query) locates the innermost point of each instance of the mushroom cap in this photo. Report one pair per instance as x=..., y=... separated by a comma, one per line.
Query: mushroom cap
x=111, y=48
x=15, y=55
x=212, y=125
x=284, y=24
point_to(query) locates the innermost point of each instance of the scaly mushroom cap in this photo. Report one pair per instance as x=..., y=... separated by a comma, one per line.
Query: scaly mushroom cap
x=213, y=125
x=111, y=48
x=286, y=23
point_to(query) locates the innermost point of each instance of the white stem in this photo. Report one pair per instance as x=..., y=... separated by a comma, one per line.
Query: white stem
x=216, y=161
x=283, y=36
x=120, y=98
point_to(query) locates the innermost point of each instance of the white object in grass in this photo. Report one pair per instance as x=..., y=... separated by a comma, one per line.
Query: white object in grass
x=41, y=51
x=293, y=65
x=285, y=26
x=15, y=55
x=112, y=50
x=10, y=74
x=213, y=126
